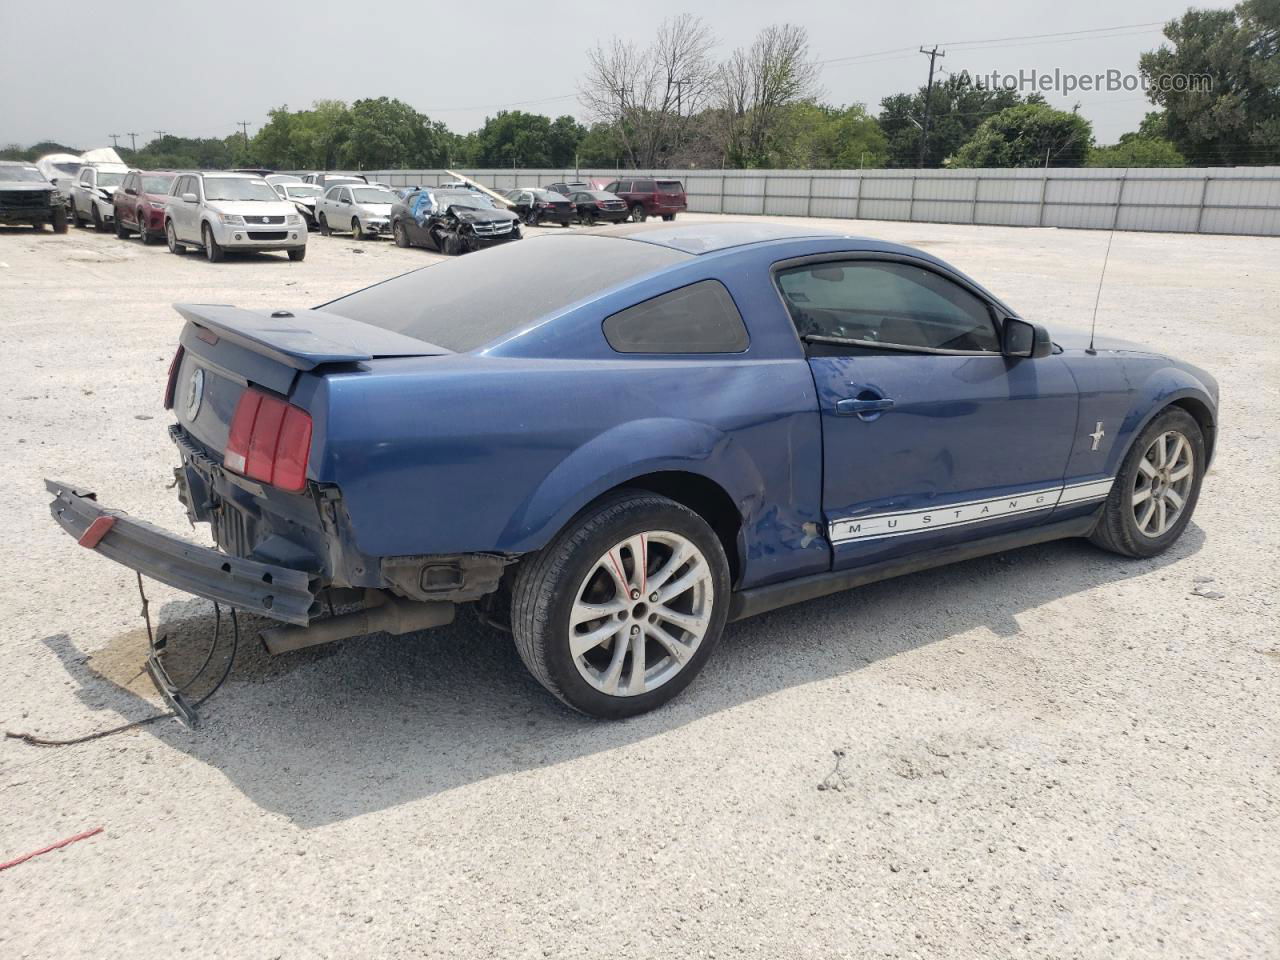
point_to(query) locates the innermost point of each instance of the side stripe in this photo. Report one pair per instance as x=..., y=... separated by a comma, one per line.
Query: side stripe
x=903, y=523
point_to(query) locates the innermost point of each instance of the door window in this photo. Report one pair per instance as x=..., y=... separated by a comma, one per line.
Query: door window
x=86, y=176
x=886, y=304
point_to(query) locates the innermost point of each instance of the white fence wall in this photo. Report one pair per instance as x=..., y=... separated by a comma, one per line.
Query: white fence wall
x=1238, y=200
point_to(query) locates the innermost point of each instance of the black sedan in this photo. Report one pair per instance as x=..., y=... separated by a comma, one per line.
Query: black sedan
x=536, y=206
x=451, y=221
x=595, y=205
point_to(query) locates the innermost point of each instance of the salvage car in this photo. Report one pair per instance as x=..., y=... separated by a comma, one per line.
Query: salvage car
x=536, y=206
x=364, y=210
x=592, y=206
x=696, y=424
x=139, y=204
x=651, y=197
x=451, y=221
x=26, y=197
x=93, y=193
x=231, y=212
x=304, y=197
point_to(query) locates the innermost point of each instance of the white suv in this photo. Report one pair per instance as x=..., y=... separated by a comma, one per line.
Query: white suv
x=223, y=212
x=93, y=193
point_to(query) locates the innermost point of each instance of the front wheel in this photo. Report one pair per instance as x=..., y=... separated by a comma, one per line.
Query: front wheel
x=98, y=223
x=324, y=226
x=298, y=253
x=75, y=215
x=212, y=251
x=622, y=609
x=171, y=237
x=401, y=233
x=59, y=220
x=122, y=233
x=1156, y=490
x=356, y=232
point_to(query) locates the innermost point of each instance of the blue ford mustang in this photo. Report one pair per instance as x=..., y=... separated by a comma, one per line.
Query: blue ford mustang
x=693, y=424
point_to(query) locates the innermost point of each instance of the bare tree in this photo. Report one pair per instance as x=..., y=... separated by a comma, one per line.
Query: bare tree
x=649, y=93
x=755, y=86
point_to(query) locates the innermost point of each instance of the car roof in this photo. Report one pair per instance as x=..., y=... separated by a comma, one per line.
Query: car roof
x=229, y=174
x=700, y=238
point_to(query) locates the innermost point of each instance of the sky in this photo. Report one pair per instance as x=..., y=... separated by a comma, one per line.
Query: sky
x=199, y=69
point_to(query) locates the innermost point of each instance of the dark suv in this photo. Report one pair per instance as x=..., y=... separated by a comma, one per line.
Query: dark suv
x=649, y=197
x=27, y=197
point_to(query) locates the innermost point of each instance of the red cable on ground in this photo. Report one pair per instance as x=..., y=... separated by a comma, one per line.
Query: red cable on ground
x=53, y=846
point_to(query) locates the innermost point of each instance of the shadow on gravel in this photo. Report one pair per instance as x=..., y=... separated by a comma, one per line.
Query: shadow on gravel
x=383, y=720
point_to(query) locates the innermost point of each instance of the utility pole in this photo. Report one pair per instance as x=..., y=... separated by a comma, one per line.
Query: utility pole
x=115, y=139
x=244, y=126
x=159, y=134
x=680, y=85
x=928, y=97
x=133, y=140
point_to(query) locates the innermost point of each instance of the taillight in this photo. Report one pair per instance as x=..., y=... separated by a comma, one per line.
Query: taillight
x=171, y=386
x=270, y=441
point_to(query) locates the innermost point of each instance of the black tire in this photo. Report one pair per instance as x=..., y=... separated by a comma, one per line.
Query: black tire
x=59, y=220
x=143, y=233
x=324, y=226
x=543, y=595
x=589, y=218
x=451, y=245
x=638, y=214
x=75, y=215
x=1118, y=529
x=668, y=217
x=122, y=232
x=38, y=226
x=213, y=253
x=171, y=238
x=356, y=232
x=298, y=253
x=401, y=234
x=98, y=223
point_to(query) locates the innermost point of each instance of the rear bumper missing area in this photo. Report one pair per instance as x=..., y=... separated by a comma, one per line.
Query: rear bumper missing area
x=265, y=589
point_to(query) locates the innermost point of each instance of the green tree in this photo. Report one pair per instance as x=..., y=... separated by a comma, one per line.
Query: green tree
x=1135, y=150
x=1028, y=135
x=957, y=107
x=389, y=133
x=1237, y=119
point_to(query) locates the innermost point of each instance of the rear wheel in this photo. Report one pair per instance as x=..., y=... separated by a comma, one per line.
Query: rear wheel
x=171, y=237
x=638, y=214
x=621, y=610
x=668, y=217
x=401, y=234
x=589, y=218
x=213, y=253
x=1156, y=490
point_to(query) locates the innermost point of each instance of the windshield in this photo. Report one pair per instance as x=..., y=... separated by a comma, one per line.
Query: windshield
x=238, y=188
x=110, y=179
x=21, y=174
x=457, y=199
x=71, y=169
x=302, y=190
x=457, y=305
x=372, y=195
x=157, y=182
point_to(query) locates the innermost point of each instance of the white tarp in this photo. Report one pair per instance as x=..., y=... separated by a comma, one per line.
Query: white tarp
x=101, y=155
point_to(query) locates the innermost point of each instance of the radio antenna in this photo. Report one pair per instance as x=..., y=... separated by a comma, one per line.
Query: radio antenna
x=1093, y=326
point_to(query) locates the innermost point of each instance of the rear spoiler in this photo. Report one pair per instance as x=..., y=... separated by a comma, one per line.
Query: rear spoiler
x=304, y=339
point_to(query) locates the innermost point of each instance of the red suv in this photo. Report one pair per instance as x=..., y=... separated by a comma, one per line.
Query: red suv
x=651, y=197
x=140, y=204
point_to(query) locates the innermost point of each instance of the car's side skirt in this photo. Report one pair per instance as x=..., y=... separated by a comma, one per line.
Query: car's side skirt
x=749, y=603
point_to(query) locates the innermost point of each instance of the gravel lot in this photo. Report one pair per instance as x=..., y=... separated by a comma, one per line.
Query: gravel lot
x=1052, y=753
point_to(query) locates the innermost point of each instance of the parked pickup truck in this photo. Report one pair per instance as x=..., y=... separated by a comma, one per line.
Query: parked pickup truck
x=693, y=425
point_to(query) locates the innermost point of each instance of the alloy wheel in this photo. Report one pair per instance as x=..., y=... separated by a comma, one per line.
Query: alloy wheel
x=1162, y=483
x=641, y=613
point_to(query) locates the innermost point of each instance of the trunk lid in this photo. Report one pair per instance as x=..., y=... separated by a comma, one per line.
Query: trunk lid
x=224, y=350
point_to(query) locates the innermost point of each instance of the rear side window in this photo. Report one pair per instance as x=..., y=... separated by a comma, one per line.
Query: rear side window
x=699, y=318
x=643, y=186
x=670, y=186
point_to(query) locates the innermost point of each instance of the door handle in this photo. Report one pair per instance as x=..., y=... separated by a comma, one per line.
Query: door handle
x=867, y=406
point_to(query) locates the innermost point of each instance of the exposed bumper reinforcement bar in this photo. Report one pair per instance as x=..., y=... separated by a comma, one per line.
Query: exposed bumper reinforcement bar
x=264, y=589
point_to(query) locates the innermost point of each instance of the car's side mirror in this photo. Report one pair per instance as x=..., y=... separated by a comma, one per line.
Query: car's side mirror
x=1023, y=339
x=190, y=198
